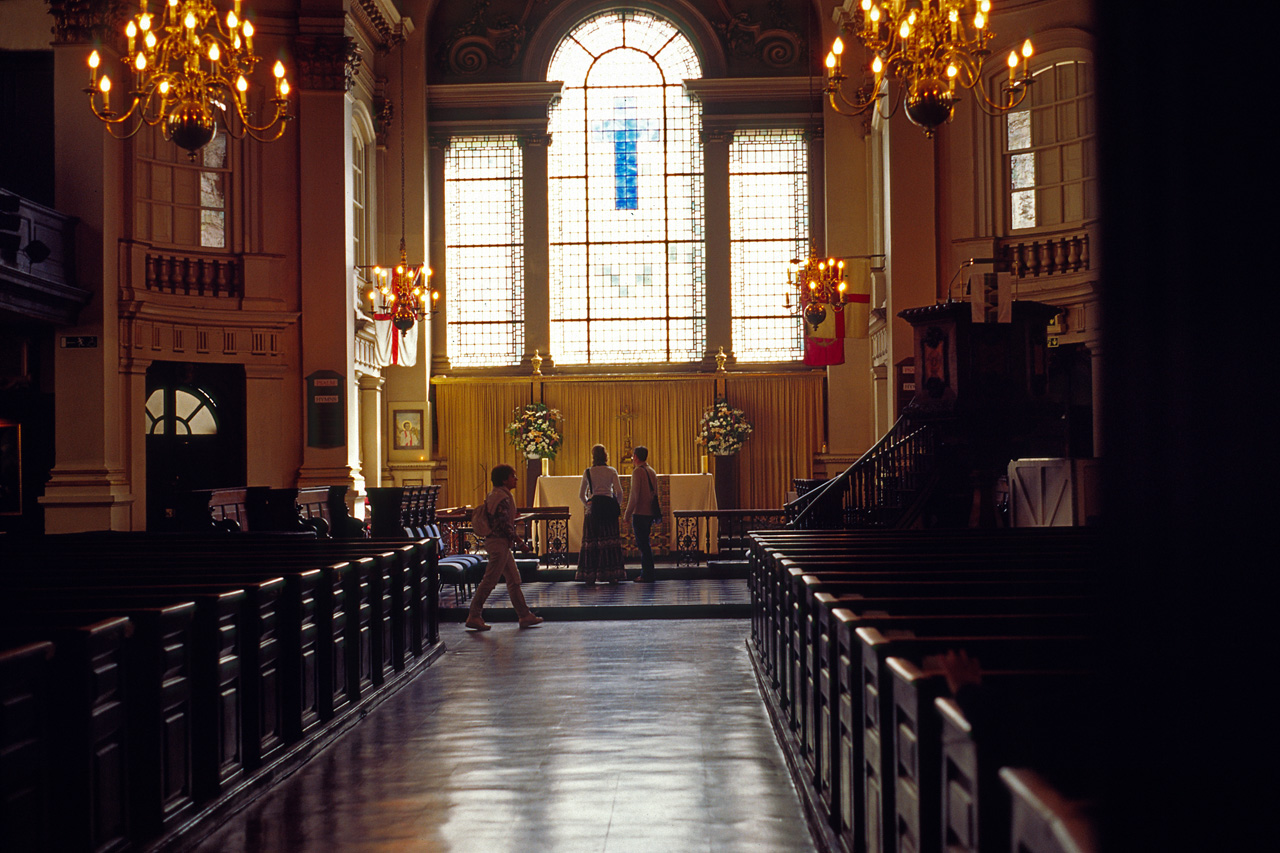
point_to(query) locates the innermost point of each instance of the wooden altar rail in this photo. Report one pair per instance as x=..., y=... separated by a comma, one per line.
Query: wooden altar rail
x=553, y=535
x=695, y=532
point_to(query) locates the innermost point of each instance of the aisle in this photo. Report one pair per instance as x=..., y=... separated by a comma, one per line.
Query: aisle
x=610, y=737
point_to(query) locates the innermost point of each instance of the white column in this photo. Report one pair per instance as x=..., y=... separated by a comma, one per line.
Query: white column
x=719, y=286
x=371, y=461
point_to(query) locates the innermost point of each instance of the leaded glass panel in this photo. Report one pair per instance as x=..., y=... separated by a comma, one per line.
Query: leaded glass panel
x=769, y=225
x=484, y=250
x=625, y=195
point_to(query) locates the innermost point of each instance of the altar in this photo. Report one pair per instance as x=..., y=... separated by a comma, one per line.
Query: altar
x=677, y=492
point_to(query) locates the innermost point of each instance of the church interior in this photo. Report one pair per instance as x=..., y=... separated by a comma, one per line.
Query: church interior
x=354, y=266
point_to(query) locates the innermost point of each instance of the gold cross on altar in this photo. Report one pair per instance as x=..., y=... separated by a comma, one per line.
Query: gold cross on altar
x=624, y=461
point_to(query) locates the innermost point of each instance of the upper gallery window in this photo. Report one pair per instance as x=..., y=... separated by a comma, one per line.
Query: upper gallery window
x=769, y=225
x=178, y=201
x=484, y=250
x=1049, y=150
x=626, y=195
x=359, y=205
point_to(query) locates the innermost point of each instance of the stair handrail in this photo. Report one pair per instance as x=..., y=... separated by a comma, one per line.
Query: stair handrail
x=802, y=511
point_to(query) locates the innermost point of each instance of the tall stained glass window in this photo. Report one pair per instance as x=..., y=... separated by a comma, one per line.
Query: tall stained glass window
x=1050, y=150
x=769, y=225
x=626, y=195
x=484, y=250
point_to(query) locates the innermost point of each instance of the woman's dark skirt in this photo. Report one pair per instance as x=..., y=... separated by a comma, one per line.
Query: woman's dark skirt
x=600, y=558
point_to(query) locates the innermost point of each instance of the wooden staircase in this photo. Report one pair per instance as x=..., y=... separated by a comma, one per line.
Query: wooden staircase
x=887, y=487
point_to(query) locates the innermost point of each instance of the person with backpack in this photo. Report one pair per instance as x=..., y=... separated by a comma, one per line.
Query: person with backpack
x=643, y=509
x=495, y=520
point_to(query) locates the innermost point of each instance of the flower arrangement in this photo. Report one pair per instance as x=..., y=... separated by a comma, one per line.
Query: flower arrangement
x=723, y=428
x=534, y=430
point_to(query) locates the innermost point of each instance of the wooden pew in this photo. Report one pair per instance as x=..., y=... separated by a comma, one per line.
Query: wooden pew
x=1043, y=819
x=218, y=743
x=870, y=697
x=89, y=732
x=836, y=672
x=793, y=630
x=158, y=685
x=381, y=603
x=393, y=598
x=26, y=747
x=917, y=743
x=1046, y=728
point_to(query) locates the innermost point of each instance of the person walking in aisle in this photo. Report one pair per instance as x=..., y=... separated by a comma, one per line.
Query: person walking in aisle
x=502, y=535
x=643, y=509
x=600, y=557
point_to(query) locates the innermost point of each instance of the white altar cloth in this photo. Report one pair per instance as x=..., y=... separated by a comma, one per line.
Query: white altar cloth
x=687, y=492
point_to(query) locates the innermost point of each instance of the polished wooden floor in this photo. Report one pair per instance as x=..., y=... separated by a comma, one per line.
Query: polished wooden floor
x=631, y=736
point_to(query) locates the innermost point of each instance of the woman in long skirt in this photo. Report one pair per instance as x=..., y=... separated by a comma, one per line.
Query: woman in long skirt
x=600, y=558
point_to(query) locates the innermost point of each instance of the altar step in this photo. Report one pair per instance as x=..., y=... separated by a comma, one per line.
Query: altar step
x=670, y=597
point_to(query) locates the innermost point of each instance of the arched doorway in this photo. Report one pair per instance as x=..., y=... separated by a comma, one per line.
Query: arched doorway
x=195, y=425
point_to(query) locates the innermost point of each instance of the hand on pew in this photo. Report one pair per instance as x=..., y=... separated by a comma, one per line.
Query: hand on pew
x=957, y=668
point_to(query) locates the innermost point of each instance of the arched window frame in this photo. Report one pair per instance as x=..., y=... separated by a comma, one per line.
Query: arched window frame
x=167, y=406
x=467, y=108
x=628, y=253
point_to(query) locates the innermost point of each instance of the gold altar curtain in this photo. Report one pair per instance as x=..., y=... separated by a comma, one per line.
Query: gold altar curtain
x=662, y=414
x=472, y=420
x=786, y=417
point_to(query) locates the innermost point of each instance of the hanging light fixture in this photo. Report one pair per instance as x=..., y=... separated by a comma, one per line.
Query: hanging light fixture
x=817, y=284
x=400, y=293
x=189, y=71
x=929, y=48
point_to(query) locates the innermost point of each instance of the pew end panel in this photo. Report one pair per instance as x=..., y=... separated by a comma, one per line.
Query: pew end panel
x=1044, y=820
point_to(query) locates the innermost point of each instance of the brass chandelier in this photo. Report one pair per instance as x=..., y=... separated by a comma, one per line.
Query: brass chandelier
x=189, y=71
x=817, y=283
x=399, y=293
x=929, y=47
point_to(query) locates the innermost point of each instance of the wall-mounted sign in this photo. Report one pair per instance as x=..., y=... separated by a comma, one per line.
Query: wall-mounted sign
x=79, y=341
x=326, y=409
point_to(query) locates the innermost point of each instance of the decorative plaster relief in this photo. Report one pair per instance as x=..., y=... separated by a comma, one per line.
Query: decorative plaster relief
x=328, y=63
x=775, y=43
x=89, y=21
x=479, y=43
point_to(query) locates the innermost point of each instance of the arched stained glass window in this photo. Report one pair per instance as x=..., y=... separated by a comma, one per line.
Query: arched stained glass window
x=626, y=195
x=181, y=411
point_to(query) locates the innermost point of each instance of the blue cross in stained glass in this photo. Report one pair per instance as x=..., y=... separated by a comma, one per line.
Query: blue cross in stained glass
x=624, y=130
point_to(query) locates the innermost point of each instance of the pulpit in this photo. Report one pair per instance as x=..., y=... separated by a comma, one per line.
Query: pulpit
x=982, y=385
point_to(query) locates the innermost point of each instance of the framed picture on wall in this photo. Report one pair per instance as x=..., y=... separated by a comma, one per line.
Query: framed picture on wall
x=10, y=469
x=406, y=425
